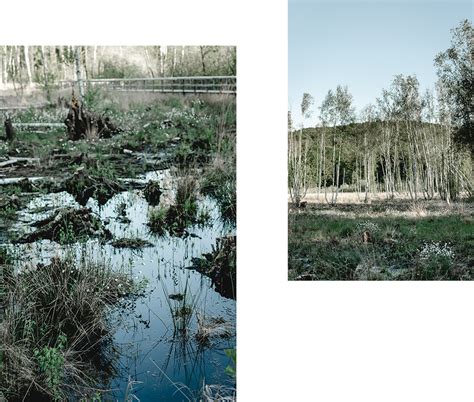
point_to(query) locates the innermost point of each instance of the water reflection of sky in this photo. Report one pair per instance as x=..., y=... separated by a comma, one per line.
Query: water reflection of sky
x=150, y=354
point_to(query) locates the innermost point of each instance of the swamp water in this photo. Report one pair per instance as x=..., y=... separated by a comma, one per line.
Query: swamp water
x=156, y=361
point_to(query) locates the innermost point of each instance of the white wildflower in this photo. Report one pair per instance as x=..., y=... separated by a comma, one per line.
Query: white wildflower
x=436, y=249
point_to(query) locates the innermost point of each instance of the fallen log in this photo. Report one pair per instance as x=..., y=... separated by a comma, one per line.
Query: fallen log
x=16, y=161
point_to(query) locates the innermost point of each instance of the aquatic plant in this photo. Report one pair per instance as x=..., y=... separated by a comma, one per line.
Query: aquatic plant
x=176, y=218
x=220, y=183
x=182, y=307
x=232, y=355
x=55, y=338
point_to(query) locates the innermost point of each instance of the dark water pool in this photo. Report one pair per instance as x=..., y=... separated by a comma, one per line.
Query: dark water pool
x=155, y=361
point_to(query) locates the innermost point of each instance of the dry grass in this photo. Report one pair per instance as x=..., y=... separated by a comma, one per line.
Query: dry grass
x=212, y=393
x=212, y=327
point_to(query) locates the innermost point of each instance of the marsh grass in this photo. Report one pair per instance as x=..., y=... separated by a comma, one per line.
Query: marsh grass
x=176, y=218
x=56, y=339
x=182, y=309
x=331, y=247
x=219, y=183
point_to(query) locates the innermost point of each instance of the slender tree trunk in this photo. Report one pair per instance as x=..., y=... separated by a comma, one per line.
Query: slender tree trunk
x=28, y=67
x=80, y=83
x=45, y=74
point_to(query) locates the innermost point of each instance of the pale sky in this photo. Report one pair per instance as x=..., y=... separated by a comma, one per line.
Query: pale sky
x=363, y=44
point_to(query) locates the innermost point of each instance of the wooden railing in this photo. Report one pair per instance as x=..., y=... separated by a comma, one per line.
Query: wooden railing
x=196, y=85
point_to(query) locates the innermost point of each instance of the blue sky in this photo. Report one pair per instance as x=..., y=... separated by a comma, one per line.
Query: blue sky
x=363, y=44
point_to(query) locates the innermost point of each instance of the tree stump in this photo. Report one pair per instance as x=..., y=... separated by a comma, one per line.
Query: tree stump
x=9, y=130
x=83, y=124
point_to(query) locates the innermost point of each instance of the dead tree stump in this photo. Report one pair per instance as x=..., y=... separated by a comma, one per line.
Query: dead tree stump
x=83, y=124
x=9, y=130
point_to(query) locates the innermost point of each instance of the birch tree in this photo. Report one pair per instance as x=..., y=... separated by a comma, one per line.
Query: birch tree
x=298, y=153
x=80, y=83
x=454, y=69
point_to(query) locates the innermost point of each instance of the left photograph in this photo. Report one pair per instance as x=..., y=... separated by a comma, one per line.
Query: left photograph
x=118, y=229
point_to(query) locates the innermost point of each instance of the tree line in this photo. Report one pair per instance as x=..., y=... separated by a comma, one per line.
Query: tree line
x=26, y=66
x=406, y=142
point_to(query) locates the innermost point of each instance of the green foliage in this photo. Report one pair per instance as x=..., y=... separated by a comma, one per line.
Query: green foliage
x=92, y=97
x=454, y=69
x=220, y=184
x=66, y=233
x=434, y=268
x=116, y=67
x=182, y=214
x=51, y=363
x=231, y=368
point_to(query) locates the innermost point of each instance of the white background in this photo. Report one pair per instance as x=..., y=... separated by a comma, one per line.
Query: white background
x=296, y=341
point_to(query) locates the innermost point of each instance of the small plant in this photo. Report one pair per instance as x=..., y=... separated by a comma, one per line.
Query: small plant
x=232, y=355
x=51, y=364
x=157, y=220
x=183, y=213
x=66, y=233
x=182, y=308
x=436, y=249
x=220, y=184
x=367, y=226
x=121, y=209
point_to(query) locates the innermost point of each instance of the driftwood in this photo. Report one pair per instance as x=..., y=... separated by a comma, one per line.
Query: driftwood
x=84, y=124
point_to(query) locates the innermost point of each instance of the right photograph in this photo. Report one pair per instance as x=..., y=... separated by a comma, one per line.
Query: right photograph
x=380, y=140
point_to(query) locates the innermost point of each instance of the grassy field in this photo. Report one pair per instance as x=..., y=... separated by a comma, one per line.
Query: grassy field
x=382, y=241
